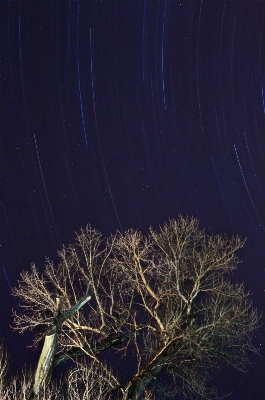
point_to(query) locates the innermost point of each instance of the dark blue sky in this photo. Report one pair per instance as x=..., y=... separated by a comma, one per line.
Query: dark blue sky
x=122, y=114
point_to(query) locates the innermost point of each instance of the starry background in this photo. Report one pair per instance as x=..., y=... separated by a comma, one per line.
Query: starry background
x=122, y=114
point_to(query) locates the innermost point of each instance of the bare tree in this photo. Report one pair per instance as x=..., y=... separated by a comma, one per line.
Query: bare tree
x=165, y=298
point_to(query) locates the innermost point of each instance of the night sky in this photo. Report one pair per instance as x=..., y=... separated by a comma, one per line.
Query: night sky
x=122, y=114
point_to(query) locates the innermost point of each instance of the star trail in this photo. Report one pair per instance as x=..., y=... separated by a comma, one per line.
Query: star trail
x=122, y=114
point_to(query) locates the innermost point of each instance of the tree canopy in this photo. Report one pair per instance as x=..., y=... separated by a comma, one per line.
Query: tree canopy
x=162, y=300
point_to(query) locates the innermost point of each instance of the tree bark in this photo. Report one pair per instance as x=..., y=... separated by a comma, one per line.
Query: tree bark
x=46, y=361
x=138, y=383
x=79, y=352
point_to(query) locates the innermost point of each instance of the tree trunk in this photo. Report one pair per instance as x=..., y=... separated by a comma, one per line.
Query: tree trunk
x=45, y=365
x=136, y=389
x=44, y=368
x=138, y=383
